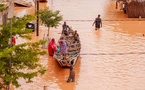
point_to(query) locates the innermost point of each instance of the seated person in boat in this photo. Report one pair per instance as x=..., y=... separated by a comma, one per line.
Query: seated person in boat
x=76, y=36
x=65, y=29
x=52, y=47
x=58, y=49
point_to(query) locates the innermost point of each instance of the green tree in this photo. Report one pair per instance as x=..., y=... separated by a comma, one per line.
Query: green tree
x=19, y=61
x=2, y=7
x=49, y=18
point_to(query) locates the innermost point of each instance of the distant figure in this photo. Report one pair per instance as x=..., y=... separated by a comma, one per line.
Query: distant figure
x=65, y=28
x=72, y=73
x=13, y=40
x=52, y=47
x=97, y=22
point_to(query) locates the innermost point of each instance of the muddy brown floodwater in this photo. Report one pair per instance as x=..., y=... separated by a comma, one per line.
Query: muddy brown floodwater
x=112, y=58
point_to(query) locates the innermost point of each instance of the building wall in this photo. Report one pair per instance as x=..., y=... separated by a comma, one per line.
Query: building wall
x=3, y=14
x=136, y=9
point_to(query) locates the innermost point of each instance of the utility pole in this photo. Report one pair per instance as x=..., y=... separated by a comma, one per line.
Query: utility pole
x=10, y=15
x=37, y=31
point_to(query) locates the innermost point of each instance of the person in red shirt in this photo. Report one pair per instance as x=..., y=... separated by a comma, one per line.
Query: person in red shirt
x=13, y=40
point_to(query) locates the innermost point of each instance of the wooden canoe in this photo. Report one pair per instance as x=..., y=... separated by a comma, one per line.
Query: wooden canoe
x=72, y=54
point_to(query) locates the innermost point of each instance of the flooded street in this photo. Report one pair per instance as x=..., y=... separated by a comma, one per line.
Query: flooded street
x=112, y=58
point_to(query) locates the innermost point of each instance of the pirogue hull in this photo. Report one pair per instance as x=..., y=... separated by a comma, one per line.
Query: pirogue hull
x=72, y=54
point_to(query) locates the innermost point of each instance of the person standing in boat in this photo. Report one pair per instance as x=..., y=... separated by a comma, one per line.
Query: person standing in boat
x=63, y=46
x=97, y=22
x=71, y=73
x=65, y=28
x=52, y=47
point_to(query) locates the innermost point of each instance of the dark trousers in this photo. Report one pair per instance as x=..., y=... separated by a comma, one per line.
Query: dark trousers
x=71, y=76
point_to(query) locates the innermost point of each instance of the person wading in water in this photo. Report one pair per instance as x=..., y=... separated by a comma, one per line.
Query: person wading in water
x=71, y=73
x=52, y=47
x=97, y=22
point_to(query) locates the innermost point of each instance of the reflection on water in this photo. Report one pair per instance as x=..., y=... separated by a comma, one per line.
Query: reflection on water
x=112, y=58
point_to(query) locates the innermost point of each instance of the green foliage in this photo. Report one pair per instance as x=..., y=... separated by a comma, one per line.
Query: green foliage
x=2, y=7
x=24, y=57
x=18, y=28
x=49, y=18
